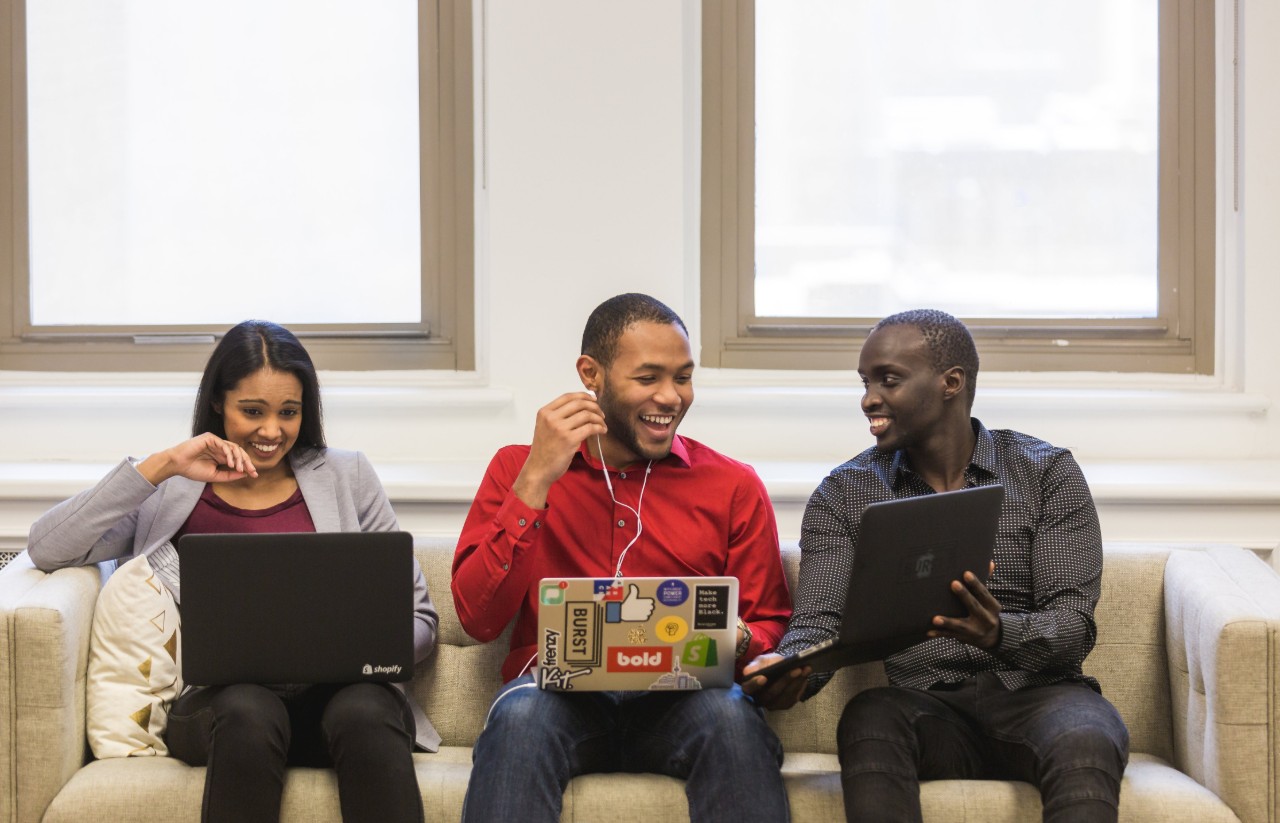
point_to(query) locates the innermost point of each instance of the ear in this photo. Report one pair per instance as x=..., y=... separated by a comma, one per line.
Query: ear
x=590, y=372
x=954, y=382
x=217, y=407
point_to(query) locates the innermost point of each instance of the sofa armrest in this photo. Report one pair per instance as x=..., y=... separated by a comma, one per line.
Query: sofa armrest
x=1222, y=610
x=46, y=620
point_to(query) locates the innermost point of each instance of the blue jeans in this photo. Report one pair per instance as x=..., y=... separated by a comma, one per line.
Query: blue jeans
x=715, y=740
x=1066, y=739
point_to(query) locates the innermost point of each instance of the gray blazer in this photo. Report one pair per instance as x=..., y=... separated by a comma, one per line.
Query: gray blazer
x=124, y=515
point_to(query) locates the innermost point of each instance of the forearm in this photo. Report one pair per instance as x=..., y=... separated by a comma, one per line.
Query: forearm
x=756, y=560
x=94, y=525
x=1048, y=640
x=1055, y=630
x=493, y=567
x=425, y=620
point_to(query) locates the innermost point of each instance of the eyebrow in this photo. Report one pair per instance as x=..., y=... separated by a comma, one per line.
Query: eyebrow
x=660, y=367
x=264, y=402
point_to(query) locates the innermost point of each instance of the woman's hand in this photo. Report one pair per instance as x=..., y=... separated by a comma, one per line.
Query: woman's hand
x=207, y=458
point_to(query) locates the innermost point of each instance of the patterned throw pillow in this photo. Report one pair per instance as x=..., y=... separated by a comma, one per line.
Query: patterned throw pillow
x=134, y=672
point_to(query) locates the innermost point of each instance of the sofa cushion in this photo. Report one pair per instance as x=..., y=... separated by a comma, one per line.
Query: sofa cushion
x=134, y=673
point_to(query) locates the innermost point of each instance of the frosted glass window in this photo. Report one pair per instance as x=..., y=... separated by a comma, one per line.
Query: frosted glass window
x=993, y=158
x=199, y=163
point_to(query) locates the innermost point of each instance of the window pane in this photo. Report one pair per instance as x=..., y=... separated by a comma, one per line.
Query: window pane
x=992, y=158
x=200, y=163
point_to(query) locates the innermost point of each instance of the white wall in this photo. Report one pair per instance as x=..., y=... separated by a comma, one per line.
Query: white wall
x=588, y=140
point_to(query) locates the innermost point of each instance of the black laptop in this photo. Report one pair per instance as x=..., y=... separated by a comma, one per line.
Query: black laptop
x=908, y=553
x=334, y=607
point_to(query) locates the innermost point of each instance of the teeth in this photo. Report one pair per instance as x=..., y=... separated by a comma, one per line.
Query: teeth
x=264, y=448
x=878, y=423
x=659, y=419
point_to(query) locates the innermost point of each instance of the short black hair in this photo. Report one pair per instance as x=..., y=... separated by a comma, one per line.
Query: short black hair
x=248, y=348
x=614, y=316
x=949, y=341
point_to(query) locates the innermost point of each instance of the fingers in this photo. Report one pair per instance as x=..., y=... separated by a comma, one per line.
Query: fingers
x=558, y=432
x=781, y=693
x=210, y=458
x=982, y=625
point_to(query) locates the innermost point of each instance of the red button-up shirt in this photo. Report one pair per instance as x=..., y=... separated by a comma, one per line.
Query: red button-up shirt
x=703, y=514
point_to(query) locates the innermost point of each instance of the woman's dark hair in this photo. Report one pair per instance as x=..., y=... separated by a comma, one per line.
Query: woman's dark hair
x=247, y=348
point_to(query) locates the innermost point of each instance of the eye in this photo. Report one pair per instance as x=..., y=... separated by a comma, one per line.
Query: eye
x=250, y=411
x=290, y=412
x=646, y=379
x=684, y=379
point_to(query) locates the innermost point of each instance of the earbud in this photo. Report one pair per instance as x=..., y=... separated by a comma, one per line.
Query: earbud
x=592, y=393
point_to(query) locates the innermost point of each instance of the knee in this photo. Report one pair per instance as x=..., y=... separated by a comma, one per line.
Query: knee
x=872, y=713
x=732, y=722
x=248, y=711
x=523, y=710
x=1091, y=747
x=362, y=708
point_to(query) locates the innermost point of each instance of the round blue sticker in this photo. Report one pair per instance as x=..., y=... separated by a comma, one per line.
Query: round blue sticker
x=672, y=592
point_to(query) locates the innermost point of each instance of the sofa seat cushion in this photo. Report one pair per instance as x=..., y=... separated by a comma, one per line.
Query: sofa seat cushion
x=1152, y=790
x=166, y=790
x=159, y=790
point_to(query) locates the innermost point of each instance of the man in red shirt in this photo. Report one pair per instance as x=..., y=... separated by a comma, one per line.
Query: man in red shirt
x=675, y=507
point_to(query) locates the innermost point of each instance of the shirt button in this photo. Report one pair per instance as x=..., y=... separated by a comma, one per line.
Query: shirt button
x=621, y=523
x=622, y=475
x=537, y=524
x=506, y=567
x=522, y=521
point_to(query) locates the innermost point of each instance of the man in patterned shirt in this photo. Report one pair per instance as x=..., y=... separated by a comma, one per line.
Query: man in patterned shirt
x=998, y=694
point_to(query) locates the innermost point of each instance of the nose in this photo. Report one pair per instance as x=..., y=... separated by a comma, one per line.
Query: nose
x=269, y=427
x=870, y=399
x=667, y=395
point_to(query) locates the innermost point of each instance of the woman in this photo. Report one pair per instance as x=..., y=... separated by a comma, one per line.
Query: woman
x=258, y=462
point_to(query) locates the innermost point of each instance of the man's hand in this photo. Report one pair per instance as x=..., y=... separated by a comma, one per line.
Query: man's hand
x=982, y=627
x=782, y=692
x=561, y=427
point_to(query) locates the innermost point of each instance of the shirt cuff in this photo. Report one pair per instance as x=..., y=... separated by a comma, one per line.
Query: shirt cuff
x=1013, y=633
x=517, y=519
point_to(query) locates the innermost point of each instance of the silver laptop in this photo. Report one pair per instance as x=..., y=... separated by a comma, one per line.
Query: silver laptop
x=637, y=633
x=334, y=607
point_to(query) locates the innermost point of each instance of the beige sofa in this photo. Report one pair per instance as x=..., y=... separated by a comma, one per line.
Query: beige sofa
x=1187, y=651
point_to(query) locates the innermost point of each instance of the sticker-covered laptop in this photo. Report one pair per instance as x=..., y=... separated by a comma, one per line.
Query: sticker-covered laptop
x=637, y=633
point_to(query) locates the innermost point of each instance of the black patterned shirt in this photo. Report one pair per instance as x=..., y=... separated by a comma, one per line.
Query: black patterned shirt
x=1048, y=557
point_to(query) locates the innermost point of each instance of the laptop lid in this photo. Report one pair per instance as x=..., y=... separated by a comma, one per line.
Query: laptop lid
x=637, y=633
x=908, y=553
x=334, y=607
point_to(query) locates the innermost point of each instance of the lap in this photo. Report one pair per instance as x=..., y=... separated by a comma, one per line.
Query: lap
x=1006, y=729
x=630, y=731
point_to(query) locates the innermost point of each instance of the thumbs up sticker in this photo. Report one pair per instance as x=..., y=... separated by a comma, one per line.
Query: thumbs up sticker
x=631, y=609
x=635, y=608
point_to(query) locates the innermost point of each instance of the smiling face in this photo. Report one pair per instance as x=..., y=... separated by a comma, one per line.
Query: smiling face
x=262, y=414
x=645, y=392
x=905, y=397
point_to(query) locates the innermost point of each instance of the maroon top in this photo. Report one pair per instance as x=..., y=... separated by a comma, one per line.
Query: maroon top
x=213, y=515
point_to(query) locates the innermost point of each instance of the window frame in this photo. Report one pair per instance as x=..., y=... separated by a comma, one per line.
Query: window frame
x=1180, y=339
x=445, y=339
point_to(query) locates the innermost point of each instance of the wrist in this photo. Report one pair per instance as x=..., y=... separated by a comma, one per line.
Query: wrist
x=530, y=491
x=156, y=468
x=744, y=643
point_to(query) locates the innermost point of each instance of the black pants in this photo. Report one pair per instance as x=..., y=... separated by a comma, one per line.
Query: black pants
x=246, y=735
x=1065, y=739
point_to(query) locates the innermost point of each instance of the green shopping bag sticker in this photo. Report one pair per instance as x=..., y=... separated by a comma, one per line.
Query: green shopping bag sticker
x=700, y=651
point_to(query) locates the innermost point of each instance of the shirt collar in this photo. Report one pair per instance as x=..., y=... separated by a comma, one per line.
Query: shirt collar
x=679, y=455
x=983, y=459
